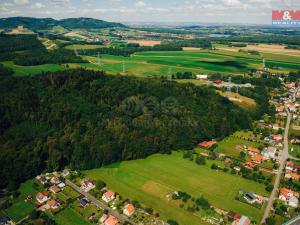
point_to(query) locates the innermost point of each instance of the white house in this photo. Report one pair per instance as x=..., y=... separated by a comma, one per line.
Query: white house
x=293, y=202
x=270, y=153
x=201, y=77
x=42, y=197
x=88, y=185
x=108, y=196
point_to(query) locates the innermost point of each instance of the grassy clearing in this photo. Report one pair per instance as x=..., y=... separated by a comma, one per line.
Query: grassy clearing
x=82, y=47
x=150, y=180
x=233, y=145
x=33, y=70
x=21, y=208
x=69, y=217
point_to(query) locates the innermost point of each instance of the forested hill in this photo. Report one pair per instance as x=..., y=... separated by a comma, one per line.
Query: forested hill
x=86, y=119
x=48, y=23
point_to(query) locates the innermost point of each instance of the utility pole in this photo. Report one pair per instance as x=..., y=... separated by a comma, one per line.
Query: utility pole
x=170, y=73
x=124, y=67
x=99, y=60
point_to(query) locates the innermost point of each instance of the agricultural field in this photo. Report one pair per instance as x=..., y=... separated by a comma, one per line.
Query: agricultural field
x=147, y=64
x=151, y=180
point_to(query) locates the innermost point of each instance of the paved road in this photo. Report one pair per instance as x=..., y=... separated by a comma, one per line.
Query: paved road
x=91, y=198
x=283, y=158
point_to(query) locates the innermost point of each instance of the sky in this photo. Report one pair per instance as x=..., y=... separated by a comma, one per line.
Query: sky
x=199, y=11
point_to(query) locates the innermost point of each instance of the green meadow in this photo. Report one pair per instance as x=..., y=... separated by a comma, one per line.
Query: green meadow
x=169, y=62
x=150, y=180
x=69, y=217
x=21, y=208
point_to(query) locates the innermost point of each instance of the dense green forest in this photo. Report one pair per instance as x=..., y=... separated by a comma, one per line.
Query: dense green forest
x=48, y=23
x=27, y=50
x=85, y=119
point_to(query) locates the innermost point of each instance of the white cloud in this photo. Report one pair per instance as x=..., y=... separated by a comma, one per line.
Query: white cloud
x=37, y=5
x=21, y=2
x=140, y=4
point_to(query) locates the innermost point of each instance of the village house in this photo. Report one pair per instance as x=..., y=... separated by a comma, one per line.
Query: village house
x=53, y=204
x=65, y=172
x=42, y=179
x=295, y=141
x=61, y=185
x=280, y=108
x=293, y=202
x=276, y=137
x=128, y=210
x=249, y=165
x=257, y=159
x=54, y=189
x=243, y=221
x=83, y=201
x=55, y=180
x=103, y=218
x=108, y=196
x=275, y=126
x=290, y=175
x=42, y=197
x=253, y=151
x=201, y=77
x=111, y=220
x=269, y=153
x=207, y=144
x=285, y=194
x=88, y=185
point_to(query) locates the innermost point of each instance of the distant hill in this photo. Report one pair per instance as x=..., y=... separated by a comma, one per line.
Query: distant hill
x=48, y=23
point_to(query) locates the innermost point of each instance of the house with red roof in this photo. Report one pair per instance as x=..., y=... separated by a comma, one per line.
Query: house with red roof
x=111, y=221
x=285, y=194
x=207, y=144
x=128, y=210
x=108, y=196
x=253, y=151
x=42, y=197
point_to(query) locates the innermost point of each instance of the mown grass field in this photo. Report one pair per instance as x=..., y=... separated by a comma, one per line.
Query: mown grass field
x=229, y=145
x=69, y=217
x=21, y=208
x=150, y=180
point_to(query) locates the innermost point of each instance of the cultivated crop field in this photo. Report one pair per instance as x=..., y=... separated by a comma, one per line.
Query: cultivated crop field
x=150, y=180
x=170, y=62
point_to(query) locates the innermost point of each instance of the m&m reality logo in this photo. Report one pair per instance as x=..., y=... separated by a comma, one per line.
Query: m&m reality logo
x=286, y=17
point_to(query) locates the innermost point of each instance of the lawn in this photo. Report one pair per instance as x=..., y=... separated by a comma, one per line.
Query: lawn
x=21, y=208
x=150, y=180
x=69, y=217
x=229, y=145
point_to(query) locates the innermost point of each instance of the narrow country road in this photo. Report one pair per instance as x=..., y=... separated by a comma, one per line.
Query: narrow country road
x=283, y=158
x=91, y=198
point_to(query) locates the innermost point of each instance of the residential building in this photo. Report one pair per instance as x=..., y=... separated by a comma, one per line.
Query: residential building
x=253, y=151
x=53, y=204
x=243, y=221
x=285, y=194
x=88, y=185
x=128, y=210
x=108, y=196
x=270, y=153
x=293, y=202
x=42, y=197
x=111, y=220
x=54, y=189
x=207, y=144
